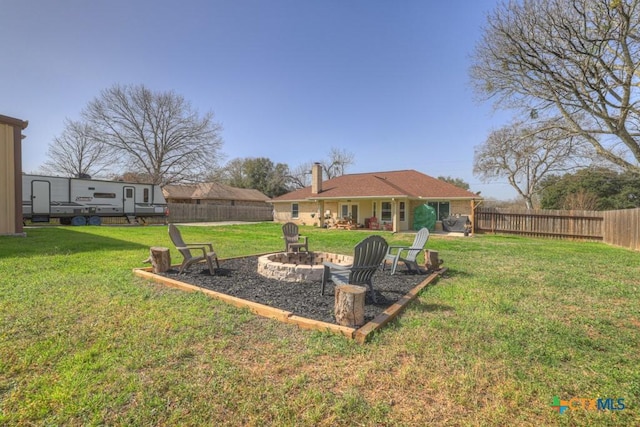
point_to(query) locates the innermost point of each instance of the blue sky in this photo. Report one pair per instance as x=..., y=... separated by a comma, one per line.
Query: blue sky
x=287, y=79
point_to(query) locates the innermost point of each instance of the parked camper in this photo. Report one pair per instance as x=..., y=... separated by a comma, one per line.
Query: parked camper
x=77, y=201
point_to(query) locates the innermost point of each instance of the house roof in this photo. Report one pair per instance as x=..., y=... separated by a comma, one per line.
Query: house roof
x=212, y=191
x=403, y=183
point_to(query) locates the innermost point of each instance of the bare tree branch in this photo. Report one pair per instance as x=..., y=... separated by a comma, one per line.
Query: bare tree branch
x=525, y=155
x=157, y=133
x=75, y=154
x=579, y=59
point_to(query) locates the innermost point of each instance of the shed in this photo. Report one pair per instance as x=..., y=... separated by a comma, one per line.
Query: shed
x=11, y=175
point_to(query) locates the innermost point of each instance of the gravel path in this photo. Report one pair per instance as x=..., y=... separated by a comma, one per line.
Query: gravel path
x=239, y=278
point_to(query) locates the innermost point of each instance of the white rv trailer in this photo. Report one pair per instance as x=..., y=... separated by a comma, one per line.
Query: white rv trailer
x=77, y=201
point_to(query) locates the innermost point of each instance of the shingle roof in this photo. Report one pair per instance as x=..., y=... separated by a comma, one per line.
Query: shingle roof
x=403, y=183
x=212, y=191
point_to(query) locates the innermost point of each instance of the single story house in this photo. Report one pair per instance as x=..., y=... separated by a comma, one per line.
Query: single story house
x=211, y=193
x=389, y=197
x=11, y=175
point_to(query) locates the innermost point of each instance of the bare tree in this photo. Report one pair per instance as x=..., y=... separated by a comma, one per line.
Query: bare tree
x=581, y=200
x=156, y=133
x=336, y=165
x=75, y=154
x=525, y=155
x=338, y=162
x=300, y=176
x=576, y=58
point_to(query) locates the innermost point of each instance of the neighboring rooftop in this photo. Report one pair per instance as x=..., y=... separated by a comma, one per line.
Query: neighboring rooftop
x=212, y=191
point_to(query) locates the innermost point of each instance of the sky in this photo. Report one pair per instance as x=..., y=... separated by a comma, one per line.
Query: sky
x=387, y=81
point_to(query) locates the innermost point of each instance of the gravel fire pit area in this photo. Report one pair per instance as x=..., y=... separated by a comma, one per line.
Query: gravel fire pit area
x=299, y=294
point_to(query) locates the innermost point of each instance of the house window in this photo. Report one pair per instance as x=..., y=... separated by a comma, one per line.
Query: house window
x=344, y=211
x=145, y=195
x=294, y=210
x=385, y=211
x=375, y=205
x=442, y=209
x=401, y=211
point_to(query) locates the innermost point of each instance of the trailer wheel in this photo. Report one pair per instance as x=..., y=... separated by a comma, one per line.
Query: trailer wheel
x=95, y=220
x=78, y=220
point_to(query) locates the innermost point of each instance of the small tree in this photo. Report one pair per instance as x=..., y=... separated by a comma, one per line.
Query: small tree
x=525, y=155
x=258, y=173
x=338, y=162
x=336, y=165
x=458, y=182
x=75, y=154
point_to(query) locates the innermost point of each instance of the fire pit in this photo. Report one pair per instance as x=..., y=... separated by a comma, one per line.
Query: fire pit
x=298, y=266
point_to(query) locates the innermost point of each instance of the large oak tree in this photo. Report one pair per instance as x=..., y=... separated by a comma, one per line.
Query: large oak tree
x=158, y=134
x=579, y=59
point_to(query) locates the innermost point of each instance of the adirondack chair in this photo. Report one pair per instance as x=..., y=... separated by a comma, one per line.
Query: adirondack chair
x=293, y=242
x=367, y=256
x=395, y=253
x=185, y=249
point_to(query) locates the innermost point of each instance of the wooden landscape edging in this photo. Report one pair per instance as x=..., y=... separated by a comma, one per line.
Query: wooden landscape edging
x=390, y=313
x=360, y=335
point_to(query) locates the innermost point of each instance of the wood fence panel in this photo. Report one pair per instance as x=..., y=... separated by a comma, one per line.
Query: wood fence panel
x=183, y=212
x=622, y=228
x=586, y=225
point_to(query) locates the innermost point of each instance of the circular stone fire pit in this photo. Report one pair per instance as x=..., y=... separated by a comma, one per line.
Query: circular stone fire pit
x=298, y=266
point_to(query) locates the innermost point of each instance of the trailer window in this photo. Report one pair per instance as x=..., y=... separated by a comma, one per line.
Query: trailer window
x=129, y=193
x=104, y=195
x=145, y=195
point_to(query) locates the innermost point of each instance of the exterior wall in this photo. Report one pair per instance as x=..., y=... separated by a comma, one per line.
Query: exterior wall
x=10, y=176
x=7, y=181
x=282, y=211
x=308, y=213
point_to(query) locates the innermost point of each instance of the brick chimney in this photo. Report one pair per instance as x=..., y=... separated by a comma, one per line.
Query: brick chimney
x=316, y=178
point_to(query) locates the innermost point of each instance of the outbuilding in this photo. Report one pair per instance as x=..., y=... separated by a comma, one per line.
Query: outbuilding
x=11, y=175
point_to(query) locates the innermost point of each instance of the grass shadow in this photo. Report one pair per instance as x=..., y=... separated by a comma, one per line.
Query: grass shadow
x=64, y=240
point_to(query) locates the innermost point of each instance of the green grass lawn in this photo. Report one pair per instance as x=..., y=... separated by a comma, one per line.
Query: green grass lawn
x=514, y=323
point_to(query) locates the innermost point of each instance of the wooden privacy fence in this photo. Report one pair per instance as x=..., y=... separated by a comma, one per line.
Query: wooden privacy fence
x=622, y=228
x=183, y=212
x=585, y=225
x=619, y=228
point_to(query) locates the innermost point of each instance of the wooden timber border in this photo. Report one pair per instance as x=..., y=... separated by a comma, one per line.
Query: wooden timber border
x=360, y=335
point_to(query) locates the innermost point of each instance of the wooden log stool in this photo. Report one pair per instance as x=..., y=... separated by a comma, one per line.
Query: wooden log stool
x=432, y=261
x=349, y=305
x=160, y=259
